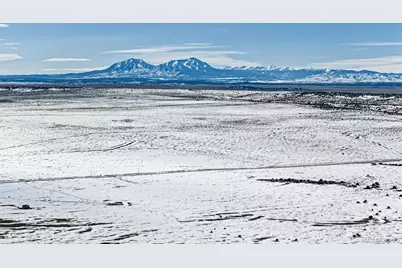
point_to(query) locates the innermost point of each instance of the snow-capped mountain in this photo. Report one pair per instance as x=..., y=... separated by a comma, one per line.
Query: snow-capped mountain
x=191, y=64
x=197, y=70
x=127, y=68
x=184, y=68
x=130, y=66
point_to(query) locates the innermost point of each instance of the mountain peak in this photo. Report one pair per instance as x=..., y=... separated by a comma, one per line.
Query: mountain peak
x=189, y=64
x=193, y=59
x=131, y=61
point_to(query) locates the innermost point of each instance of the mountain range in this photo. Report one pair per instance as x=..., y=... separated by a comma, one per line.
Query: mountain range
x=193, y=69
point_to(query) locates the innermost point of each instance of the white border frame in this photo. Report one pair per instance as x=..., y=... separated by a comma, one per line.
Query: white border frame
x=62, y=11
x=68, y=11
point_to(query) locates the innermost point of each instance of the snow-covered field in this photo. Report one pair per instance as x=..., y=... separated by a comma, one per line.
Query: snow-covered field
x=178, y=166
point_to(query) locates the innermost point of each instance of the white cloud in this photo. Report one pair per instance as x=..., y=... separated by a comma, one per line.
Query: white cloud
x=392, y=64
x=162, y=48
x=2, y=25
x=162, y=54
x=218, y=52
x=75, y=69
x=375, y=44
x=8, y=57
x=65, y=60
x=12, y=44
x=197, y=44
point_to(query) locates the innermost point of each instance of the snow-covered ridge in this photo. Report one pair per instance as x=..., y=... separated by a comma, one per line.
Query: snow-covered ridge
x=195, y=69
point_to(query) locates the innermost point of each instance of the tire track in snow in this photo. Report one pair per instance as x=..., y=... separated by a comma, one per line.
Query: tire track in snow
x=119, y=146
x=44, y=141
x=181, y=171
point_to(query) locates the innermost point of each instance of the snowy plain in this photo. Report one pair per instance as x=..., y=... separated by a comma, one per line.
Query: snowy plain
x=197, y=166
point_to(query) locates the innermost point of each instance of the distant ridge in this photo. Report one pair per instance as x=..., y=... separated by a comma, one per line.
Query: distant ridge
x=192, y=69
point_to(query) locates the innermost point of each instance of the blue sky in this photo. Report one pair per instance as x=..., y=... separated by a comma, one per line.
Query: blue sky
x=61, y=48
